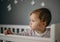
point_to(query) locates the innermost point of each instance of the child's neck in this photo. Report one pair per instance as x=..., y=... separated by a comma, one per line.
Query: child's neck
x=41, y=31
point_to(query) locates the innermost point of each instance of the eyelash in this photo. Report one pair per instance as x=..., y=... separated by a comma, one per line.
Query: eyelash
x=32, y=20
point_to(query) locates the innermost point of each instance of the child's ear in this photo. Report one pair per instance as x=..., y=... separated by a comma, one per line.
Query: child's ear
x=44, y=24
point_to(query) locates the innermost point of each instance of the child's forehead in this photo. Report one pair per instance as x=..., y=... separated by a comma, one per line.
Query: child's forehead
x=36, y=14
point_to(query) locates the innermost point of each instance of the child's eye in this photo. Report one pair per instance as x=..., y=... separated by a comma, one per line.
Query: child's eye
x=33, y=20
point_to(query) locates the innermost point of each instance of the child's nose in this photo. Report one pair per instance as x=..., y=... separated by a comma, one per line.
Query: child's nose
x=30, y=23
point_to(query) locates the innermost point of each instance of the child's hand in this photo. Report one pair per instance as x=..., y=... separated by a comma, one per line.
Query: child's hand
x=6, y=32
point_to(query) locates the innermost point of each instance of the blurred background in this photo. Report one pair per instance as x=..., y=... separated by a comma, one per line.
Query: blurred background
x=17, y=11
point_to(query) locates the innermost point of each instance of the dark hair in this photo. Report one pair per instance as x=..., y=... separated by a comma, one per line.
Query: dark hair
x=44, y=15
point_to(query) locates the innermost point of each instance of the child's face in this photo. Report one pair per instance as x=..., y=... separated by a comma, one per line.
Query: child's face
x=35, y=22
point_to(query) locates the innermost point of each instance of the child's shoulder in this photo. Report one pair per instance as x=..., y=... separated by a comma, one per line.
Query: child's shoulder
x=47, y=34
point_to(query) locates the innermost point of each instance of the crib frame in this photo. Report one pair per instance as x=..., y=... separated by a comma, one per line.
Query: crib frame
x=18, y=38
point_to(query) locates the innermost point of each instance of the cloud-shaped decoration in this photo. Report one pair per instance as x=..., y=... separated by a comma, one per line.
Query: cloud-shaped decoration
x=9, y=7
x=15, y=2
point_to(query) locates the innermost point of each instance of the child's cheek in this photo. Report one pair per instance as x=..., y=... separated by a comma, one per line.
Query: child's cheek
x=36, y=24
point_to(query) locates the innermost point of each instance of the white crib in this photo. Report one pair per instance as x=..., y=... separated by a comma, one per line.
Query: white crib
x=54, y=34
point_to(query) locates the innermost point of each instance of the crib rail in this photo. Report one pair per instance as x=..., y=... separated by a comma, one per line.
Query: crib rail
x=13, y=28
x=17, y=38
